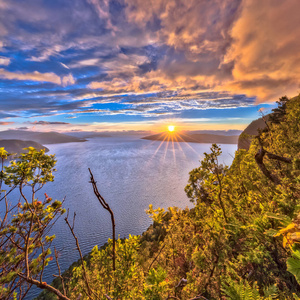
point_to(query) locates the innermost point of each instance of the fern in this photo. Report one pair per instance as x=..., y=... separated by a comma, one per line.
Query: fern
x=271, y=292
x=241, y=291
x=244, y=291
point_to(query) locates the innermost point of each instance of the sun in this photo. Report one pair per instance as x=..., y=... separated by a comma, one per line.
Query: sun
x=171, y=128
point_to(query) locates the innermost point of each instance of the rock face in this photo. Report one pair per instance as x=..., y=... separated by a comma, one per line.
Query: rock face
x=17, y=146
x=194, y=138
x=39, y=137
x=252, y=130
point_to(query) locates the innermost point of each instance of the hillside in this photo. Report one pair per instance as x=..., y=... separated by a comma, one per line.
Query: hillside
x=194, y=138
x=17, y=146
x=251, y=130
x=39, y=137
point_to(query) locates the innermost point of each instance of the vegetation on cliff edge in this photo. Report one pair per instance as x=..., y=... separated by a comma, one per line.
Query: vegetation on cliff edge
x=239, y=241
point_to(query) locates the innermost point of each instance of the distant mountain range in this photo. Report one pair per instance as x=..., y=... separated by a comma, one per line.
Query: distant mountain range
x=39, y=137
x=14, y=141
x=194, y=138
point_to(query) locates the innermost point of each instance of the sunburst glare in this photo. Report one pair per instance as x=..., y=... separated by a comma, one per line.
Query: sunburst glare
x=171, y=141
x=171, y=128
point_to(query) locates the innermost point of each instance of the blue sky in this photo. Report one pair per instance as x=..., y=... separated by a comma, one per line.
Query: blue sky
x=140, y=65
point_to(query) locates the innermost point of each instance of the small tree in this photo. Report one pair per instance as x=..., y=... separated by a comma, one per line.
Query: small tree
x=208, y=180
x=25, y=223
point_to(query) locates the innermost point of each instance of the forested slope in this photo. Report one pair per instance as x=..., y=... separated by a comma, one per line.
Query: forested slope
x=239, y=241
x=226, y=246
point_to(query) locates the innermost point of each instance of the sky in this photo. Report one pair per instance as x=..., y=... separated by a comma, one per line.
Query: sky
x=110, y=65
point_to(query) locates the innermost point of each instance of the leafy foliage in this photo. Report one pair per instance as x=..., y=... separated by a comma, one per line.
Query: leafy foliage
x=25, y=224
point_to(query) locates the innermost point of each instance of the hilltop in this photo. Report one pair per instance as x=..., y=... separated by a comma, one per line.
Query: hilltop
x=17, y=146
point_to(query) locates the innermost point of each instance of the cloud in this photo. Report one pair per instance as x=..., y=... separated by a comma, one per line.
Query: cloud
x=4, y=61
x=47, y=53
x=64, y=65
x=102, y=9
x=145, y=58
x=6, y=123
x=265, y=49
x=22, y=128
x=67, y=80
x=196, y=46
x=48, y=123
x=4, y=115
x=37, y=76
x=85, y=62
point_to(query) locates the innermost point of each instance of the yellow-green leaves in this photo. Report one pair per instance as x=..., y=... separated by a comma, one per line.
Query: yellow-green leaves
x=33, y=167
x=3, y=153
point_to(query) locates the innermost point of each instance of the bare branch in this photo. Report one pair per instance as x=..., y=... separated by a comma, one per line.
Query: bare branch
x=81, y=256
x=280, y=158
x=181, y=283
x=156, y=257
x=59, y=271
x=106, y=206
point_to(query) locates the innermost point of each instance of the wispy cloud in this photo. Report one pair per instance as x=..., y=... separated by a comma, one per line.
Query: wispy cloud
x=48, y=123
x=37, y=76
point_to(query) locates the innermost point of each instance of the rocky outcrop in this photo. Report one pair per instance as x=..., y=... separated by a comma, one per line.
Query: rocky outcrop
x=250, y=132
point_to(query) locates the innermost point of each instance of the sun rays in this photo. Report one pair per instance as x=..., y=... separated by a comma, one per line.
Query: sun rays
x=171, y=141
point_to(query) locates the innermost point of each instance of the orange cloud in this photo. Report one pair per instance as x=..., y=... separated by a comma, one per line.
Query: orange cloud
x=252, y=48
x=6, y=123
x=265, y=50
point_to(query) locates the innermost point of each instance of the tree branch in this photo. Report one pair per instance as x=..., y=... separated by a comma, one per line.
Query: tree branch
x=106, y=206
x=80, y=253
x=59, y=271
x=259, y=157
x=44, y=286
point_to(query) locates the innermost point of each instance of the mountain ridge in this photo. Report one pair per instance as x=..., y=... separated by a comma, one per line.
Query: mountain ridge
x=39, y=137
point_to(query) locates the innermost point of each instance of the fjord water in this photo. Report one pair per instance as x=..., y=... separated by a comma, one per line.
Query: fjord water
x=131, y=173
